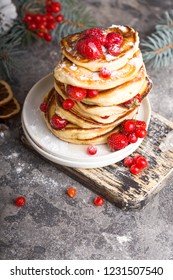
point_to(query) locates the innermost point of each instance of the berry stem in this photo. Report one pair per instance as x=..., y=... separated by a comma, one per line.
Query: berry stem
x=74, y=23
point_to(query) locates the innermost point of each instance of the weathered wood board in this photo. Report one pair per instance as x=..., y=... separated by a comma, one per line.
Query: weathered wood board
x=118, y=185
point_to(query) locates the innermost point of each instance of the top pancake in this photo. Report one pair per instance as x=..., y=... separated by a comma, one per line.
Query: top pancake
x=129, y=46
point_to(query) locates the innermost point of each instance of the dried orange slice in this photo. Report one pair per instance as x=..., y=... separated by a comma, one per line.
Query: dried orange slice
x=9, y=109
x=6, y=93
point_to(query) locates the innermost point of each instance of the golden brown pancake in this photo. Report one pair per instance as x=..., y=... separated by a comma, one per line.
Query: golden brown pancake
x=128, y=48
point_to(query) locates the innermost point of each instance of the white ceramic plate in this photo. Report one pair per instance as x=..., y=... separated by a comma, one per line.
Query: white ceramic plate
x=42, y=140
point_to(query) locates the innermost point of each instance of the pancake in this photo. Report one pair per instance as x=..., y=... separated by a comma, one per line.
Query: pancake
x=128, y=48
x=84, y=78
x=114, y=96
x=75, y=134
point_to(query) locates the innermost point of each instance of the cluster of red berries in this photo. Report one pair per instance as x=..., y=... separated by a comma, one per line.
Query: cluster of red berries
x=98, y=200
x=93, y=39
x=136, y=163
x=131, y=130
x=43, y=24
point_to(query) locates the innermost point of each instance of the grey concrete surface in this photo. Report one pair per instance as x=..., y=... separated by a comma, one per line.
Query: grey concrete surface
x=53, y=226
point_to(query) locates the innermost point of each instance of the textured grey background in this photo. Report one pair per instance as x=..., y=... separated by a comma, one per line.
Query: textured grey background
x=53, y=226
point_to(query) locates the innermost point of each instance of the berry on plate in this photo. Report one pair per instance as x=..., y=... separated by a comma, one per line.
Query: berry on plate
x=91, y=150
x=43, y=106
x=117, y=141
x=89, y=47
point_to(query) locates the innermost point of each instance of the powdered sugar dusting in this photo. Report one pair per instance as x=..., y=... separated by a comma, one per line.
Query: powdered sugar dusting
x=121, y=27
x=109, y=57
x=73, y=67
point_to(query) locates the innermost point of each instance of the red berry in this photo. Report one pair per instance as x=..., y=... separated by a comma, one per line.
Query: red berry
x=59, y=18
x=51, y=25
x=37, y=18
x=117, y=141
x=141, y=162
x=141, y=133
x=134, y=169
x=76, y=93
x=55, y=7
x=57, y=122
x=97, y=32
x=98, y=201
x=92, y=93
x=48, y=8
x=135, y=158
x=128, y=161
x=71, y=192
x=49, y=16
x=32, y=26
x=41, y=26
x=105, y=73
x=132, y=138
x=20, y=201
x=47, y=37
x=68, y=104
x=28, y=18
x=40, y=34
x=133, y=102
x=141, y=124
x=105, y=117
x=92, y=150
x=89, y=47
x=43, y=106
x=113, y=39
x=48, y=2
x=129, y=126
x=114, y=50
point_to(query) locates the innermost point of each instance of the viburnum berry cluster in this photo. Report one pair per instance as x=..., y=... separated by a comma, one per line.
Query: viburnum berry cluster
x=91, y=44
x=41, y=24
x=136, y=163
x=131, y=130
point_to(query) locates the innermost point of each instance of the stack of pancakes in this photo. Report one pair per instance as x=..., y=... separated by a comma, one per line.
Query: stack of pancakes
x=92, y=120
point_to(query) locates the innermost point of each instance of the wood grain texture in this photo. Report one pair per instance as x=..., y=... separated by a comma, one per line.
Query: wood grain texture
x=118, y=185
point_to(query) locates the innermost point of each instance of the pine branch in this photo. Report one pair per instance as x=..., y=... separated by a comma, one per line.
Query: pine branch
x=157, y=49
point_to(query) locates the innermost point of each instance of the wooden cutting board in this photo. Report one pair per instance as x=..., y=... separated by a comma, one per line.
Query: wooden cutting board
x=116, y=184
